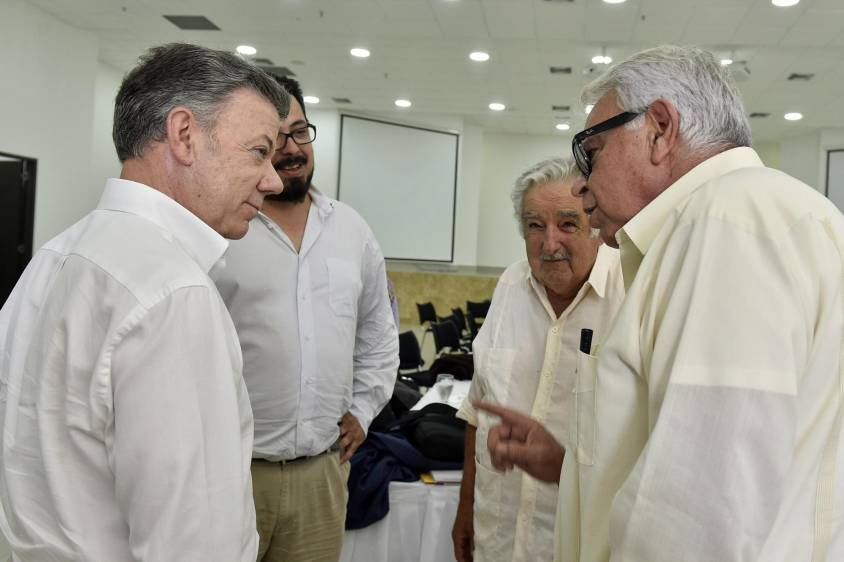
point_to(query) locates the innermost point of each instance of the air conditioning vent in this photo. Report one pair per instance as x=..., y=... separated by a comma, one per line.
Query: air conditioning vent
x=341, y=100
x=759, y=115
x=560, y=108
x=192, y=23
x=560, y=70
x=800, y=77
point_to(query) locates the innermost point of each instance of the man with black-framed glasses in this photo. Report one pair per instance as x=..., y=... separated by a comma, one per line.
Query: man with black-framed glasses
x=708, y=422
x=307, y=291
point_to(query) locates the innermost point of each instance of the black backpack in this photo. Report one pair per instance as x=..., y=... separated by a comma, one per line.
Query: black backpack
x=435, y=431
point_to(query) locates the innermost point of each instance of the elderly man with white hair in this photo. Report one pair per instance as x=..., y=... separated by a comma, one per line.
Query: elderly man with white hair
x=709, y=419
x=525, y=357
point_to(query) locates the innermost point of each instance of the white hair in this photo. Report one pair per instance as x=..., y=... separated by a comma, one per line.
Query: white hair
x=547, y=171
x=711, y=111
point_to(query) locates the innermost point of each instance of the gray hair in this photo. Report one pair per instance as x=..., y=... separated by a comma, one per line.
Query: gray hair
x=547, y=171
x=180, y=74
x=711, y=112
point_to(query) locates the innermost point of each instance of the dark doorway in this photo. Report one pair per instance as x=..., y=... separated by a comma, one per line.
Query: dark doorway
x=17, y=218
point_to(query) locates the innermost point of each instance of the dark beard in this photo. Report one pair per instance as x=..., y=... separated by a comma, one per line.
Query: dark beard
x=295, y=190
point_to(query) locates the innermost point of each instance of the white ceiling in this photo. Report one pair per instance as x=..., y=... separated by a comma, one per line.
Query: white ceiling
x=420, y=50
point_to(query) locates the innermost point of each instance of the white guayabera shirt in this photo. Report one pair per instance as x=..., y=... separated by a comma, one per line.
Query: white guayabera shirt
x=709, y=420
x=126, y=427
x=525, y=358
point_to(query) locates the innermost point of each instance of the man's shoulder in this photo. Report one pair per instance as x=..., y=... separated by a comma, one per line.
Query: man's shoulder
x=516, y=272
x=758, y=196
x=131, y=251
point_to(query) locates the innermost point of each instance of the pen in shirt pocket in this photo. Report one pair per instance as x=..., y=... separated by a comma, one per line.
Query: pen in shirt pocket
x=586, y=341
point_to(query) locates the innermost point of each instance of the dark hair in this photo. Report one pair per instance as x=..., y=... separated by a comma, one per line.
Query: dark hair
x=177, y=74
x=292, y=87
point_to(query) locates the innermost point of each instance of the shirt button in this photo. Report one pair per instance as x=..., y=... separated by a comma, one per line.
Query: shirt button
x=555, y=330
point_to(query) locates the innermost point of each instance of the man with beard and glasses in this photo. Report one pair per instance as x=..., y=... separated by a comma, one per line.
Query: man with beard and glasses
x=307, y=291
x=525, y=356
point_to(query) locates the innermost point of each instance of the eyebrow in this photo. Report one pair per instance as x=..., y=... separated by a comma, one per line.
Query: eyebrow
x=569, y=213
x=298, y=123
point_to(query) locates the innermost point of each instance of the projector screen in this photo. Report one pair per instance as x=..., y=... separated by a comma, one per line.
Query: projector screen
x=403, y=181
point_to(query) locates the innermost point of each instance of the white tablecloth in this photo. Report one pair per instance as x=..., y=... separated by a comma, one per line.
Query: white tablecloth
x=417, y=528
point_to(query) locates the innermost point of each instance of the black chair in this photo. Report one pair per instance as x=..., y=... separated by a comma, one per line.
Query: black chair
x=446, y=337
x=462, y=325
x=410, y=355
x=478, y=309
x=474, y=325
x=427, y=313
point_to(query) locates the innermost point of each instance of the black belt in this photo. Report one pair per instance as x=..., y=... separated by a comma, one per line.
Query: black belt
x=283, y=462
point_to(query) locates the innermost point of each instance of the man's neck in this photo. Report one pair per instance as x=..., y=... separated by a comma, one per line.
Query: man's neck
x=290, y=216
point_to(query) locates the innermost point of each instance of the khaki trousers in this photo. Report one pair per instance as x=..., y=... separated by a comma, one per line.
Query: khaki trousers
x=301, y=508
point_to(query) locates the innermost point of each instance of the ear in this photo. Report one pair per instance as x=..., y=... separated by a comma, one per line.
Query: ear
x=181, y=128
x=665, y=135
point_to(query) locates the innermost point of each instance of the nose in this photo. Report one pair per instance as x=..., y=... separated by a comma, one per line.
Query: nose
x=552, y=242
x=270, y=181
x=287, y=146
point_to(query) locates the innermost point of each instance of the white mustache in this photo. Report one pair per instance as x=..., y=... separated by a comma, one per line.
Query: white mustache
x=558, y=256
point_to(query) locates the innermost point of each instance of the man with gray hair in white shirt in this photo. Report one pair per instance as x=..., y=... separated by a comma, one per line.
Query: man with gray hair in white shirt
x=126, y=427
x=708, y=421
x=525, y=355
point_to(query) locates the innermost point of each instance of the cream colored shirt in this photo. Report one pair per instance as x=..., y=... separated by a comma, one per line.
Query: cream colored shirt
x=126, y=427
x=524, y=358
x=708, y=422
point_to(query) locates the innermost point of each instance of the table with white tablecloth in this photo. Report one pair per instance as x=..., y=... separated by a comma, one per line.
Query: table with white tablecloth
x=416, y=529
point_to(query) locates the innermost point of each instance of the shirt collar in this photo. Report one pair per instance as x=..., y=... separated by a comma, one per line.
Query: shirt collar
x=635, y=238
x=597, y=280
x=200, y=241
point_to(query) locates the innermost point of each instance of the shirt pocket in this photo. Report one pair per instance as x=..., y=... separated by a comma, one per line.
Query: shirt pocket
x=584, y=408
x=344, y=286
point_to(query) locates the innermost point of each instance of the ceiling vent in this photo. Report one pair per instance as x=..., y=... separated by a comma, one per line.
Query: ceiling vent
x=759, y=115
x=560, y=70
x=341, y=100
x=192, y=23
x=800, y=77
x=260, y=61
x=280, y=71
x=560, y=1
x=560, y=108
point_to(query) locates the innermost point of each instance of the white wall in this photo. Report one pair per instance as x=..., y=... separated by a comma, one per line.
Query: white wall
x=46, y=110
x=104, y=163
x=799, y=158
x=505, y=157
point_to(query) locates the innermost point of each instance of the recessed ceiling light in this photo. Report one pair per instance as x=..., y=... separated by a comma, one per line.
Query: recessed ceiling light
x=246, y=50
x=588, y=108
x=495, y=106
x=563, y=126
x=726, y=62
x=601, y=59
x=403, y=103
x=479, y=56
x=793, y=116
x=780, y=3
x=359, y=52
x=311, y=99
x=614, y=1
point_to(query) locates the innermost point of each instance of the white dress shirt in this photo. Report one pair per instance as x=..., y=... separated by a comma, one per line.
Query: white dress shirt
x=126, y=428
x=315, y=327
x=709, y=419
x=525, y=358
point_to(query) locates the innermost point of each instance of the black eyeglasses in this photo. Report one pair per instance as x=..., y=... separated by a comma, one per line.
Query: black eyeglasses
x=305, y=135
x=581, y=157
